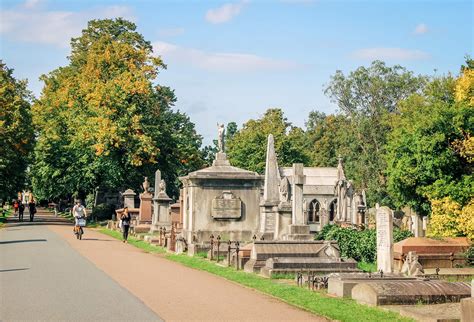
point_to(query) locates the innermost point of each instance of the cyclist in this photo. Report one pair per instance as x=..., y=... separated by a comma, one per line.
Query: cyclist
x=79, y=212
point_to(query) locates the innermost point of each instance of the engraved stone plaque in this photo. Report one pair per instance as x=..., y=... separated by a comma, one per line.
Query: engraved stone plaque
x=226, y=206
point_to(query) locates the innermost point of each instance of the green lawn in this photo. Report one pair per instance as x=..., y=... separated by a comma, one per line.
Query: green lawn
x=334, y=308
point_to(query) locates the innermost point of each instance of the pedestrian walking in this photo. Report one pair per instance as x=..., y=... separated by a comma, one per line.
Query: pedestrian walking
x=125, y=220
x=21, y=211
x=32, y=209
x=15, y=206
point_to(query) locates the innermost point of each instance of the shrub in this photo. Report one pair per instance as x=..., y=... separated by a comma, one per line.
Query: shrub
x=470, y=255
x=359, y=245
x=103, y=211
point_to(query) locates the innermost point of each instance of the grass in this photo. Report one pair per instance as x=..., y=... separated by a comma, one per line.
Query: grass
x=282, y=276
x=367, y=267
x=135, y=242
x=4, y=215
x=334, y=308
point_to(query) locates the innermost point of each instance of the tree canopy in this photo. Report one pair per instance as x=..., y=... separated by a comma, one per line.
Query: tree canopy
x=247, y=148
x=16, y=133
x=429, y=151
x=102, y=121
x=367, y=97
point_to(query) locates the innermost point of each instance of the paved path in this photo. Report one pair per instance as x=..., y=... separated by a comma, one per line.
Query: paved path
x=43, y=278
x=172, y=291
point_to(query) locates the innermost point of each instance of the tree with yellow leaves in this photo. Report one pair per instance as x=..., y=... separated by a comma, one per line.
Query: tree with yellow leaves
x=102, y=120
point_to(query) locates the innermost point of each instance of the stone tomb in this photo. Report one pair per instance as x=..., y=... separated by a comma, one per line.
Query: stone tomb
x=220, y=200
x=271, y=257
x=432, y=253
x=410, y=292
x=341, y=285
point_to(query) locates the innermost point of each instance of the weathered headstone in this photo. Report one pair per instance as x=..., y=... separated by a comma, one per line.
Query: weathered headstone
x=161, y=205
x=384, y=225
x=129, y=198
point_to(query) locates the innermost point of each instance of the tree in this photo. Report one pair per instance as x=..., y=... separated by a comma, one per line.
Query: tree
x=367, y=97
x=423, y=164
x=329, y=138
x=247, y=149
x=16, y=133
x=103, y=122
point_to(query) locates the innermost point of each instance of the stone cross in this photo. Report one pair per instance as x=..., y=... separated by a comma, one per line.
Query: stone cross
x=297, y=192
x=384, y=225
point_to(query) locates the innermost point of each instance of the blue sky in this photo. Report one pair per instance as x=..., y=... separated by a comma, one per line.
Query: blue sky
x=231, y=61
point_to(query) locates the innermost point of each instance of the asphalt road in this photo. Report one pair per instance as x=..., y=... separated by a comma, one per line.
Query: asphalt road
x=43, y=278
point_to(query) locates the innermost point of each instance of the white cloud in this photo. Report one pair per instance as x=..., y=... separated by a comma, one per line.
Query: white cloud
x=390, y=54
x=170, y=32
x=28, y=23
x=225, y=12
x=421, y=29
x=226, y=62
x=30, y=4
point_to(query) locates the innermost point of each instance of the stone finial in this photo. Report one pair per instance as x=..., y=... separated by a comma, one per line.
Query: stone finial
x=272, y=175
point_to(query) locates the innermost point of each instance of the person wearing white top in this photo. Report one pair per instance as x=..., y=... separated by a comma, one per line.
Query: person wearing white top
x=79, y=211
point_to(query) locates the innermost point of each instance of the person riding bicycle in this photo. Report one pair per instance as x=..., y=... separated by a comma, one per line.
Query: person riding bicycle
x=78, y=212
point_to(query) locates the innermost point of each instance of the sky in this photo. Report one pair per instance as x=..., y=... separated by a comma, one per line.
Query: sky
x=231, y=61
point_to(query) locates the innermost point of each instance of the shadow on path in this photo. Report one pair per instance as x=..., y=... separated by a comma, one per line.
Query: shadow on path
x=13, y=270
x=22, y=241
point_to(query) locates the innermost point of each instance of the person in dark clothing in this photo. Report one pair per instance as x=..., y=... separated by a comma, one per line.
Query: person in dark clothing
x=125, y=219
x=21, y=210
x=32, y=209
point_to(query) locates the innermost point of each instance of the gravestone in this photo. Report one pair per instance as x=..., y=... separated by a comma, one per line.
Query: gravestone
x=144, y=215
x=384, y=226
x=161, y=205
x=129, y=198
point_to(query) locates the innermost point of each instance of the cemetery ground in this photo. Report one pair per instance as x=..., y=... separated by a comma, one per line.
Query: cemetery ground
x=59, y=277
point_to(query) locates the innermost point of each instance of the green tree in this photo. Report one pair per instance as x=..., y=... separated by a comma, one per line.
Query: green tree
x=423, y=164
x=16, y=133
x=329, y=138
x=367, y=96
x=102, y=121
x=247, y=149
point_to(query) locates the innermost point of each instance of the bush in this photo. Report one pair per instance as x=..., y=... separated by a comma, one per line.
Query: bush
x=103, y=211
x=399, y=234
x=359, y=245
x=470, y=255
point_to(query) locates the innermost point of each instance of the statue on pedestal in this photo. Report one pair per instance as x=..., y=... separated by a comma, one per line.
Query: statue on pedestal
x=221, y=137
x=146, y=185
